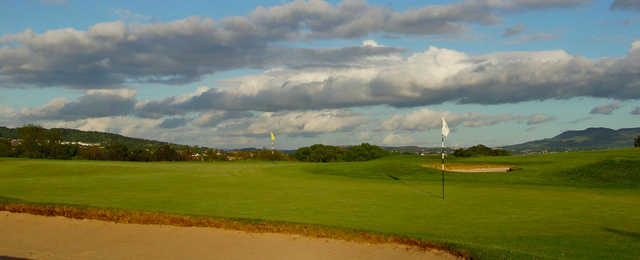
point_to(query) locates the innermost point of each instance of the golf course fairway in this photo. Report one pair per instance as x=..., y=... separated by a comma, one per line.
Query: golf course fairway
x=579, y=205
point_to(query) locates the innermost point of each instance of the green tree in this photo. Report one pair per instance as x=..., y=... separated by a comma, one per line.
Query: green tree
x=5, y=148
x=92, y=153
x=320, y=153
x=117, y=152
x=480, y=150
x=364, y=152
x=165, y=153
x=140, y=155
x=268, y=155
x=637, y=142
x=33, y=137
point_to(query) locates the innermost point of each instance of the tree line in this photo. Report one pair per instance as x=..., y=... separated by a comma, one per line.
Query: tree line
x=329, y=153
x=38, y=142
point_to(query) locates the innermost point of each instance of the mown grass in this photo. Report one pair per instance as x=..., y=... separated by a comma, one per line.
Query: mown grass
x=583, y=205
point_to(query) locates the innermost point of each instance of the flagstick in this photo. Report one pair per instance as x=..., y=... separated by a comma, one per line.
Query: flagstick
x=442, y=167
x=273, y=146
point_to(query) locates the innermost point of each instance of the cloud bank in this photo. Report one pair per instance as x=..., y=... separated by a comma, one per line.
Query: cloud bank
x=426, y=119
x=117, y=54
x=431, y=77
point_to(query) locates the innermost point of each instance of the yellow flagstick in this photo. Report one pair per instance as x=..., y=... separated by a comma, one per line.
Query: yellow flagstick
x=273, y=140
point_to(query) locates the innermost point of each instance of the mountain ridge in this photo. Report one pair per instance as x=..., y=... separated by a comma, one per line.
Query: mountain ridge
x=592, y=138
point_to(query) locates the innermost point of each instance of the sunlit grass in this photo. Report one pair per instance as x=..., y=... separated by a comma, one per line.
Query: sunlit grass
x=582, y=205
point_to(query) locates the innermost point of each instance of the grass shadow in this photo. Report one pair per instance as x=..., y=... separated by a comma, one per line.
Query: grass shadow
x=634, y=235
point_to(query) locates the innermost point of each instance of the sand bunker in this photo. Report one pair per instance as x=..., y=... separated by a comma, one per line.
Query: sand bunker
x=472, y=167
x=39, y=237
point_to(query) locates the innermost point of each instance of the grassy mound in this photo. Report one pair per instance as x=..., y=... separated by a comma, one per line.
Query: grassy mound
x=624, y=172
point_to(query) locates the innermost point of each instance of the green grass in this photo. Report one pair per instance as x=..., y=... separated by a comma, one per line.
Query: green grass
x=583, y=205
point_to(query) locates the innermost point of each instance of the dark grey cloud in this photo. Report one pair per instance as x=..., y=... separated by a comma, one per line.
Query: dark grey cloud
x=627, y=5
x=636, y=111
x=101, y=103
x=173, y=123
x=514, y=30
x=605, y=109
x=114, y=54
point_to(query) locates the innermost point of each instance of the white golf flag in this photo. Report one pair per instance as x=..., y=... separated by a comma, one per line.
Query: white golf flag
x=445, y=128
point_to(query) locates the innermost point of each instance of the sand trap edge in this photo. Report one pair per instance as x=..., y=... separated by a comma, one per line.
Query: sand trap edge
x=246, y=225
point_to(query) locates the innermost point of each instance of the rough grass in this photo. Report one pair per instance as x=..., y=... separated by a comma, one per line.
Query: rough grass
x=545, y=210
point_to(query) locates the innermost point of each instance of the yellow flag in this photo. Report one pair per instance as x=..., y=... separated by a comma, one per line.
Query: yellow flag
x=273, y=137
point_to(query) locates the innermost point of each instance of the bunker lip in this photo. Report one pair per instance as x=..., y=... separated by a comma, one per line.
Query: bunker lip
x=471, y=168
x=245, y=225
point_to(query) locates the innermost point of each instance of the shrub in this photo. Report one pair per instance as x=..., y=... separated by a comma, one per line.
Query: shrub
x=328, y=153
x=480, y=150
x=117, y=152
x=637, y=142
x=5, y=148
x=165, y=153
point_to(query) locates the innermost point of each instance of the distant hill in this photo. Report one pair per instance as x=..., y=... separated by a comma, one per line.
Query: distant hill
x=589, y=139
x=73, y=135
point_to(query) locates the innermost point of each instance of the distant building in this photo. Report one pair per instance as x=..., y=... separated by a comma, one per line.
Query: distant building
x=82, y=143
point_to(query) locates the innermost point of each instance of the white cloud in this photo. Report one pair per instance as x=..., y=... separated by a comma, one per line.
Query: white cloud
x=397, y=140
x=431, y=77
x=305, y=122
x=426, y=119
x=115, y=54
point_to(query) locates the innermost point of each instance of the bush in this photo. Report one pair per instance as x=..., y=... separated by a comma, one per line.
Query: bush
x=140, y=155
x=269, y=155
x=364, y=152
x=165, y=153
x=480, y=150
x=92, y=153
x=328, y=153
x=637, y=142
x=117, y=152
x=5, y=148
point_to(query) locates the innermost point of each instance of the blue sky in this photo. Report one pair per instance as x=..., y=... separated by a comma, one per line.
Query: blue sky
x=224, y=74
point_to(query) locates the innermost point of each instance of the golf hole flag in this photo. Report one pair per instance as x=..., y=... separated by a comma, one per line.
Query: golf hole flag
x=445, y=133
x=445, y=128
x=273, y=137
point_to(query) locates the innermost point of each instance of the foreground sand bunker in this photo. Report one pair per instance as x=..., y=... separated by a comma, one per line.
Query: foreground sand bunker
x=39, y=237
x=472, y=167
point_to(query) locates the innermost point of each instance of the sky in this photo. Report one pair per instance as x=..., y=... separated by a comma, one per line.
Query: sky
x=224, y=74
